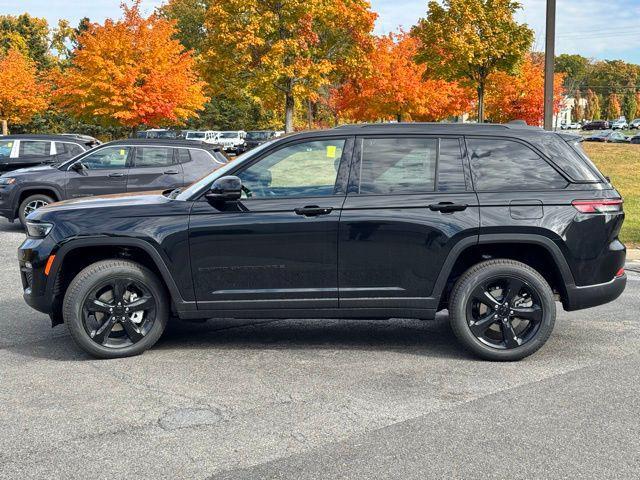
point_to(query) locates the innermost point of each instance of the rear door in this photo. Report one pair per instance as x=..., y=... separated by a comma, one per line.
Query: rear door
x=409, y=202
x=154, y=168
x=105, y=172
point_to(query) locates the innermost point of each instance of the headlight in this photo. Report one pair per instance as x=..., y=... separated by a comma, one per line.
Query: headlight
x=38, y=229
x=7, y=180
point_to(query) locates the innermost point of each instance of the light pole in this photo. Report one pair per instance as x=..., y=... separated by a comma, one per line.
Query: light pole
x=549, y=58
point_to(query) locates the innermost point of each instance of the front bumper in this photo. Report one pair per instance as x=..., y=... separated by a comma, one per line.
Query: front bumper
x=37, y=291
x=588, y=296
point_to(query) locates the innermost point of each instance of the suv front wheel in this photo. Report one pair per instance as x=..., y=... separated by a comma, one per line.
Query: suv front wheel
x=31, y=204
x=502, y=310
x=115, y=308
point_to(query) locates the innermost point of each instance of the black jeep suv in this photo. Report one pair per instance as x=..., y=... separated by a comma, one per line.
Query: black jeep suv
x=116, y=167
x=492, y=222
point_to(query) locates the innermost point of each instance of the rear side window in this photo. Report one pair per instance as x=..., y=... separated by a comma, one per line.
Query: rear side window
x=573, y=161
x=450, y=166
x=153, y=156
x=183, y=155
x=5, y=148
x=501, y=164
x=68, y=150
x=398, y=165
x=201, y=155
x=34, y=148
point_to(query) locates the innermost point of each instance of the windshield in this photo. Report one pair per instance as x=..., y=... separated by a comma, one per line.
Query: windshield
x=207, y=180
x=229, y=134
x=5, y=148
x=258, y=135
x=195, y=135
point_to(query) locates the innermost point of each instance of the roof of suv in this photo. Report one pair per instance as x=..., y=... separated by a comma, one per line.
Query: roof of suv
x=433, y=127
x=61, y=138
x=167, y=142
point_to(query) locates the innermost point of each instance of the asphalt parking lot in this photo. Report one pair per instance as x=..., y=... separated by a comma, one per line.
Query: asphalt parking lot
x=318, y=399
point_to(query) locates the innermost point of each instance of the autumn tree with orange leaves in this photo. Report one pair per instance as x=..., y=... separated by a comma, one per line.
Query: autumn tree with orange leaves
x=21, y=94
x=396, y=87
x=284, y=52
x=131, y=72
x=521, y=96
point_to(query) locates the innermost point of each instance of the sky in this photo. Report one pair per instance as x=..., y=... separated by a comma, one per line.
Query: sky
x=602, y=29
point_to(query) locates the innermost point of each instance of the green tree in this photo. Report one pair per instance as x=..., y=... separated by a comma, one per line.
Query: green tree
x=592, y=111
x=29, y=35
x=189, y=16
x=630, y=105
x=575, y=68
x=468, y=40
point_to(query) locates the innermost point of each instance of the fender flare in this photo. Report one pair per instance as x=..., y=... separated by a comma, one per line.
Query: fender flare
x=34, y=188
x=493, y=238
x=178, y=300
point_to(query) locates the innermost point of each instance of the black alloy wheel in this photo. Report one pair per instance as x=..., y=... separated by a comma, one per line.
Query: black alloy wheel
x=504, y=312
x=119, y=312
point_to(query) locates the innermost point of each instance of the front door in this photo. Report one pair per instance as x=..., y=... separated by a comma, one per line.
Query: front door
x=409, y=202
x=277, y=246
x=105, y=171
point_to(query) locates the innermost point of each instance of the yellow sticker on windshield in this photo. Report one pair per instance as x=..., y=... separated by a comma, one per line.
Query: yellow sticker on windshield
x=10, y=144
x=122, y=152
x=331, y=151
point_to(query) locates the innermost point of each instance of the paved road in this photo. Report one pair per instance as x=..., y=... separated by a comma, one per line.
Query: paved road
x=318, y=399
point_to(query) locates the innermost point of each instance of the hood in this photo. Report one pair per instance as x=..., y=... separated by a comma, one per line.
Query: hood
x=22, y=171
x=114, y=200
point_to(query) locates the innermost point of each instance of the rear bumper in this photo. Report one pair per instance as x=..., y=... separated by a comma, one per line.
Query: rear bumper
x=593, y=295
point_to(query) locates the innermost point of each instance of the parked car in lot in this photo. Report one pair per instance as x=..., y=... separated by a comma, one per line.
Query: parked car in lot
x=207, y=136
x=620, y=124
x=255, y=138
x=571, y=126
x=370, y=221
x=161, y=133
x=635, y=139
x=233, y=141
x=607, y=136
x=635, y=123
x=124, y=166
x=19, y=151
x=597, y=125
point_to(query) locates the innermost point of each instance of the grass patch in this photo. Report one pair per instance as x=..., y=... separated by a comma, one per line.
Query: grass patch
x=621, y=162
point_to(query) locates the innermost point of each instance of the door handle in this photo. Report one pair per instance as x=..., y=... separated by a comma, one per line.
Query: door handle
x=116, y=174
x=313, y=211
x=170, y=172
x=447, y=207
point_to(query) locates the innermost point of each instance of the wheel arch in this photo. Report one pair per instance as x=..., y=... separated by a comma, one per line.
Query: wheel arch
x=73, y=256
x=25, y=192
x=542, y=254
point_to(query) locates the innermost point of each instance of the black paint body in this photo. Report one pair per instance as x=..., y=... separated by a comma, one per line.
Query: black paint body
x=367, y=256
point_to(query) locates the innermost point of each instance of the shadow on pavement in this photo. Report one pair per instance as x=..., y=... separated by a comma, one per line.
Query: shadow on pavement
x=6, y=226
x=414, y=337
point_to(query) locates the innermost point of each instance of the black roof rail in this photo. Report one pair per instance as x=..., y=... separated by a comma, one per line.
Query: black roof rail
x=516, y=124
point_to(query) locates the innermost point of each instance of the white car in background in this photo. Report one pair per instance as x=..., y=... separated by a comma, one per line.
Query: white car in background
x=620, y=124
x=233, y=141
x=207, y=136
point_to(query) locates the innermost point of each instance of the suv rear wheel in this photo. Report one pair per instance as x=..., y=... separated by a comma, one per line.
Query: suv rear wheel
x=31, y=204
x=502, y=310
x=115, y=308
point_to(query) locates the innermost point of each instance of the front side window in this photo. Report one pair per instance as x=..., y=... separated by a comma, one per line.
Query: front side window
x=397, y=165
x=501, y=164
x=107, y=158
x=153, y=157
x=34, y=148
x=303, y=169
x=5, y=148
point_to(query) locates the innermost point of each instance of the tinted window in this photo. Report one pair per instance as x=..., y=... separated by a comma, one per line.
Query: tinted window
x=5, y=148
x=67, y=150
x=107, y=157
x=450, y=166
x=35, y=148
x=303, y=169
x=183, y=155
x=398, y=165
x=153, y=156
x=201, y=156
x=567, y=158
x=499, y=164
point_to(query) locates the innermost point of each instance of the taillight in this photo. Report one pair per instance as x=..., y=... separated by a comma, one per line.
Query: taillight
x=598, y=206
x=620, y=272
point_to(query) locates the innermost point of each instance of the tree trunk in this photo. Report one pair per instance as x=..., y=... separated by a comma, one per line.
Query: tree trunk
x=481, y=102
x=399, y=117
x=310, y=114
x=5, y=128
x=289, y=106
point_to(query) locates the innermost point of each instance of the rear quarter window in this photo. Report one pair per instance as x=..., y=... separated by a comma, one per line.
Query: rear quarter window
x=570, y=157
x=499, y=164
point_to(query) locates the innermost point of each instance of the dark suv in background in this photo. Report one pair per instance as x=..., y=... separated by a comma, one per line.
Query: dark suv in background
x=491, y=222
x=20, y=151
x=117, y=167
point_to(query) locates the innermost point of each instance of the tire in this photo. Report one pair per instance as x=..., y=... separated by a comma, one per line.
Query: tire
x=499, y=332
x=38, y=200
x=138, y=332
